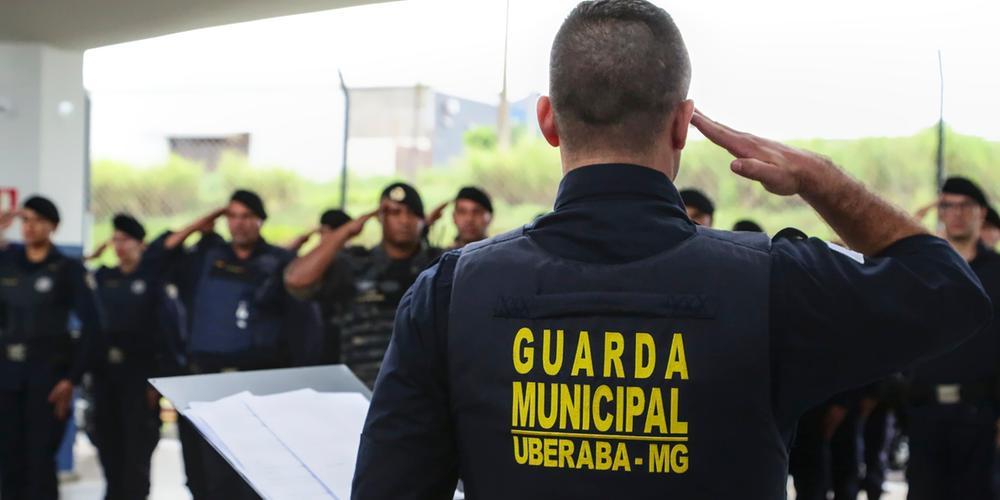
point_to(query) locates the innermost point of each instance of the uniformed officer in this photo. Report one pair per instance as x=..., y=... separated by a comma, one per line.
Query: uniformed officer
x=614, y=349
x=954, y=398
x=40, y=361
x=143, y=321
x=991, y=229
x=240, y=318
x=359, y=290
x=700, y=208
x=472, y=215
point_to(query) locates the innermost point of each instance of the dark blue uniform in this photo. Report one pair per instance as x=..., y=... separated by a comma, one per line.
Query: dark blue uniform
x=240, y=318
x=954, y=409
x=614, y=349
x=38, y=350
x=143, y=322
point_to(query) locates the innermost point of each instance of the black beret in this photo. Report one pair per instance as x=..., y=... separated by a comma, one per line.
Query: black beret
x=250, y=200
x=992, y=217
x=43, y=207
x=129, y=225
x=748, y=226
x=477, y=195
x=696, y=199
x=404, y=193
x=963, y=186
x=334, y=218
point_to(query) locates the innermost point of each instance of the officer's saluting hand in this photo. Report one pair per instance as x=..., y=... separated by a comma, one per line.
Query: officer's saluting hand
x=613, y=348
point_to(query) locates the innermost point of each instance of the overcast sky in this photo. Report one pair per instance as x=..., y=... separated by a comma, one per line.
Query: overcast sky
x=785, y=69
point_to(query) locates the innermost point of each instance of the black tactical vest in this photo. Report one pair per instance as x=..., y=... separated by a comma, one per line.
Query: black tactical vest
x=648, y=379
x=367, y=319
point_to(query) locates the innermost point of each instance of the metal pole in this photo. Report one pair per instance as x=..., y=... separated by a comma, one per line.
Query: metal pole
x=347, y=134
x=939, y=179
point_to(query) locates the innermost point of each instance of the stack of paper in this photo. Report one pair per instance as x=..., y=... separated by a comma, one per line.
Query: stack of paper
x=297, y=445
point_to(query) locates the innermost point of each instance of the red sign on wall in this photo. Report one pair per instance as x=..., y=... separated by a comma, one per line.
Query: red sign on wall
x=8, y=199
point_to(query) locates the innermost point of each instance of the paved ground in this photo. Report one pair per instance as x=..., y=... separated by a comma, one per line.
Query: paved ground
x=168, y=474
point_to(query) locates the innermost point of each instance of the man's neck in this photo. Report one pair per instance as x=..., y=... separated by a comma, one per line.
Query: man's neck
x=128, y=266
x=244, y=251
x=38, y=252
x=968, y=248
x=400, y=251
x=662, y=163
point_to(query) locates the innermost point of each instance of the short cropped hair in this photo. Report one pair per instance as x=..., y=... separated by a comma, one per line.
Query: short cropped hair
x=618, y=68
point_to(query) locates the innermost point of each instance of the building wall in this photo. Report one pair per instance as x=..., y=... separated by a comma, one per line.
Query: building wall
x=43, y=130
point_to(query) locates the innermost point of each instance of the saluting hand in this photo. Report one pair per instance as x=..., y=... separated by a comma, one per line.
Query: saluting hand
x=207, y=223
x=436, y=214
x=779, y=168
x=354, y=227
x=61, y=397
x=96, y=254
x=924, y=210
x=7, y=219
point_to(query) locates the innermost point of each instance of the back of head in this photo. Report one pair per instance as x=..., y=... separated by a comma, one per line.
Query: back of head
x=618, y=69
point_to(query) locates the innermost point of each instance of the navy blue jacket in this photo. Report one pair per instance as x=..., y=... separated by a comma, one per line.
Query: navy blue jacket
x=834, y=323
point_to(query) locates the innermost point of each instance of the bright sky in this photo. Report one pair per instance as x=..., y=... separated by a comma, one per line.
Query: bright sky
x=782, y=68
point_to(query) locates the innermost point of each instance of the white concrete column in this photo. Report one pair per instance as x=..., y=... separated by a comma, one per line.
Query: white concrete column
x=43, y=126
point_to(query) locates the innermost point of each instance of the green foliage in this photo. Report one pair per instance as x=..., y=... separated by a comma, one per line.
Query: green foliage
x=523, y=181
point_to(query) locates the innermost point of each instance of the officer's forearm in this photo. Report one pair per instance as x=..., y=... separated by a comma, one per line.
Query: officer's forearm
x=864, y=221
x=204, y=224
x=306, y=270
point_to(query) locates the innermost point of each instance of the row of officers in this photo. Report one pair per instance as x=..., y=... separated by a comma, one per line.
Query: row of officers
x=173, y=307
x=209, y=306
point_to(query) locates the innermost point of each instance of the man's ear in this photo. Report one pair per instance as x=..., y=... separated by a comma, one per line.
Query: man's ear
x=681, y=124
x=547, y=121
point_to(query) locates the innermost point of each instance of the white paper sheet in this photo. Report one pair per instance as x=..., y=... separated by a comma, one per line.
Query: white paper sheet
x=246, y=428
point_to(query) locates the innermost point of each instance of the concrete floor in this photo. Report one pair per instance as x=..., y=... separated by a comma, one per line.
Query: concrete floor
x=168, y=474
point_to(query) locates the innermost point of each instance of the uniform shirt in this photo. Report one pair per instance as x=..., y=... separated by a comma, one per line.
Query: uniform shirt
x=976, y=361
x=298, y=339
x=71, y=291
x=144, y=321
x=358, y=295
x=835, y=323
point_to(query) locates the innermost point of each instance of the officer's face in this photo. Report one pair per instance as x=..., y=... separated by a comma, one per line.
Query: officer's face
x=35, y=229
x=471, y=220
x=961, y=215
x=244, y=225
x=127, y=248
x=699, y=217
x=400, y=226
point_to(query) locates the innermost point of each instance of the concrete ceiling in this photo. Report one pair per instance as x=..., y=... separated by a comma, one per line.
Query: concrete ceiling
x=85, y=24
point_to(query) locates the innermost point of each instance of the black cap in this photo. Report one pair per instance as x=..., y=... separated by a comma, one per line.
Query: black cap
x=129, y=225
x=992, y=217
x=477, y=195
x=250, y=200
x=963, y=186
x=404, y=193
x=748, y=226
x=696, y=199
x=43, y=207
x=334, y=218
